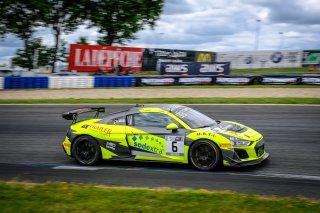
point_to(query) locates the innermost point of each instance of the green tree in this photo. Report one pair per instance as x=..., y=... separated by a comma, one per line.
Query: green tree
x=40, y=55
x=20, y=18
x=82, y=40
x=63, y=16
x=119, y=20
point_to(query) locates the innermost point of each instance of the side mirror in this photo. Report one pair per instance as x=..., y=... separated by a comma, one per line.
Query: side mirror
x=174, y=127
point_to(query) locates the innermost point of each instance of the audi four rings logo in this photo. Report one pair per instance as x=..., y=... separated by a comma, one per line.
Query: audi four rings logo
x=276, y=57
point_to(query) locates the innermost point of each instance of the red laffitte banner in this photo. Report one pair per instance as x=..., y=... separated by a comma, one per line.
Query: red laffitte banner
x=92, y=58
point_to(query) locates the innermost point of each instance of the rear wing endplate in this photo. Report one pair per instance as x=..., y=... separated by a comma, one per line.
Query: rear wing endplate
x=73, y=114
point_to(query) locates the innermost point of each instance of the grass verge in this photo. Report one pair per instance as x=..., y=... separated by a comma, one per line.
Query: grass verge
x=166, y=100
x=64, y=197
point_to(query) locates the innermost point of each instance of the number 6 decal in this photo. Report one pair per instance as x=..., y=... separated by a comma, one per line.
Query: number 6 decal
x=174, y=145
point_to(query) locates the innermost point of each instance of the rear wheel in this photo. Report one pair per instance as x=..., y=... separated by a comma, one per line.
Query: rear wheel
x=204, y=155
x=86, y=151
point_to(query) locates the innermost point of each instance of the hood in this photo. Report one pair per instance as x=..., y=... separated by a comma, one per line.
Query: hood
x=234, y=129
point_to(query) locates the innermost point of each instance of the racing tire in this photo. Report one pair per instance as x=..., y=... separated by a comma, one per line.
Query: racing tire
x=86, y=151
x=204, y=155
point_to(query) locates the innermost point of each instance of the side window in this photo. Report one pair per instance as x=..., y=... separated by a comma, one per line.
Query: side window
x=150, y=120
x=118, y=121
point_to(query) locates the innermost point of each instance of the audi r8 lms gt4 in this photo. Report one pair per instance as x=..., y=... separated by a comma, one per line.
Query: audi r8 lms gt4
x=162, y=132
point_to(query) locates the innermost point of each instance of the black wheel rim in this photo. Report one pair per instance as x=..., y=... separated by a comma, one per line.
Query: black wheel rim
x=204, y=156
x=86, y=151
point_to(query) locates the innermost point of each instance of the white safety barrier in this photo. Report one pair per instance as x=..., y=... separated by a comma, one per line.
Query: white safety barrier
x=235, y=80
x=279, y=80
x=310, y=80
x=1, y=82
x=71, y=82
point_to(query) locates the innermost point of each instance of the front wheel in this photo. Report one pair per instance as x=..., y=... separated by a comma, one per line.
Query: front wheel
x=86, y=151
x=204, y=155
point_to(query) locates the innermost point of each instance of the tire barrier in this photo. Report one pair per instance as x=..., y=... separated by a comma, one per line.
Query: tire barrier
x=114, y=81
x=25, y=82
x=1, y=82
x=71, y=82
x=133, y=81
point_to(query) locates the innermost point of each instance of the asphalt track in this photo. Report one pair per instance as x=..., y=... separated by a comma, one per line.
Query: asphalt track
x=31, y=136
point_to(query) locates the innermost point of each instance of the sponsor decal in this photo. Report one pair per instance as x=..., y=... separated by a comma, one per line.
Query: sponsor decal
x=110, y=145
x=219, y=68
x=276, y=57
x=180, y=68
x=174, y=145
x=170, y=53
x=99, y=128
x=146, y=147
x=225, y=145
x=206, y=134
x=204, y=57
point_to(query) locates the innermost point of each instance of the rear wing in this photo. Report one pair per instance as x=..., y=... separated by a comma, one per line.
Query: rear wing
x=73, y=114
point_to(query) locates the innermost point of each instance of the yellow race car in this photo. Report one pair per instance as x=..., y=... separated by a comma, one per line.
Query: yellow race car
x=162, y=132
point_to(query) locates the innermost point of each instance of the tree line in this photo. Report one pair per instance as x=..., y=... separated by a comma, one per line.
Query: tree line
x=116, y=20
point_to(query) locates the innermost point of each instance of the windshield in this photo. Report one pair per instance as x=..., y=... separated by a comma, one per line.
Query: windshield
x=193, y=118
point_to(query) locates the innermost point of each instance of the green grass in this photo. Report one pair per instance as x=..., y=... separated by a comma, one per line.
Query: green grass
x=168, y=100
x=64, y=197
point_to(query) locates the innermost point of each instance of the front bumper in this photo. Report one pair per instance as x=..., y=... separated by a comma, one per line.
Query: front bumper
x=236, y=163
x=245, y=155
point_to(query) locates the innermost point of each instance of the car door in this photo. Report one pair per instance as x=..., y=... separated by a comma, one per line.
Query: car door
x=149, y=139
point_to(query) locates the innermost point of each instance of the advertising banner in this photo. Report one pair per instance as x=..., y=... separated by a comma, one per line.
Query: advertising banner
x=279, y=80
x=195, y=68
x=310, y=80
x=92, y=58
x=152, y=58
x=233, y=80
x=311, y=57
x=156, y=81
x=261, y=59
x=195, y=81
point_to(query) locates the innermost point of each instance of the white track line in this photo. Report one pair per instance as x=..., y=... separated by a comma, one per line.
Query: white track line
x=267, y=175
x=103, y=104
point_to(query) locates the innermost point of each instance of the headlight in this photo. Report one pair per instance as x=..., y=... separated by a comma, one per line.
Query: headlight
x=239, y=142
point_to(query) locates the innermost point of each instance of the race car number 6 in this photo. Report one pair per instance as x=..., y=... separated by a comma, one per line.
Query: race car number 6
x=174, y=145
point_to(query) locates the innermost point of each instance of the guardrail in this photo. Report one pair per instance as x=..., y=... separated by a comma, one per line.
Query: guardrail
x=133, y=81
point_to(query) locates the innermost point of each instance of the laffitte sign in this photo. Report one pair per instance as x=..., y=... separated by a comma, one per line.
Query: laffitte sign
x=91, y=58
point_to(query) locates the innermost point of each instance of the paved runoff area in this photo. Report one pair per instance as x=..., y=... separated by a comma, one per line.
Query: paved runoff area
x=162, y=93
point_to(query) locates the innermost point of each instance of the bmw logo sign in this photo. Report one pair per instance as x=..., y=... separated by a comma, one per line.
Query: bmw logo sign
x=276, y=57
x=248, y=60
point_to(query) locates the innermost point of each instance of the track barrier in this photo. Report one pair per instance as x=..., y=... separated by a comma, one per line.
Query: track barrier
x=134, y=81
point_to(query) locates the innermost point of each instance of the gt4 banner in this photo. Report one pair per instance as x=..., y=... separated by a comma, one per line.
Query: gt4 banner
x=195, y=68
x=92, y=58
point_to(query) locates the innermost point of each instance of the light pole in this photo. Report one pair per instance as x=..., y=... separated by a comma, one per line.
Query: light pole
x=159, y=39
x=256, y=45
x=280, y=40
